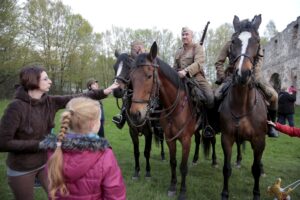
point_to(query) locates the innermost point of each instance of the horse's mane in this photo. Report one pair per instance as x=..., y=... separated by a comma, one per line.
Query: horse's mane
x=127, y=60
x=166, y=69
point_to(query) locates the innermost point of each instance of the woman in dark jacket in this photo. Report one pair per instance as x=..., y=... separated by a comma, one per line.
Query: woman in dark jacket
x=286, y=107
x=25, y=122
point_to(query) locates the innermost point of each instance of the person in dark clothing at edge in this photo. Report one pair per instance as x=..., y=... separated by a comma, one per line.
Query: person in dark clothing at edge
x=286, y=106
x=92, y=84
x=27, y=120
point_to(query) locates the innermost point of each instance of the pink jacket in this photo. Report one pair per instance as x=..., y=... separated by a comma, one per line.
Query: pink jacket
x=93, y=176
x=291, y=131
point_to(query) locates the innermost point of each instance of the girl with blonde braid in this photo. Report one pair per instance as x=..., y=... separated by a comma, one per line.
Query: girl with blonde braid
x=82, y=165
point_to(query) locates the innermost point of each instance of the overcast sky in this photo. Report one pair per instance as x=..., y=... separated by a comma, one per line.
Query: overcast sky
x=174, y=14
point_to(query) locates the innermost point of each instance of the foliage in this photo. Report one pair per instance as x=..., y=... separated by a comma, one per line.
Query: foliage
x=47, y=32
x=271, y=30
x=281, y=159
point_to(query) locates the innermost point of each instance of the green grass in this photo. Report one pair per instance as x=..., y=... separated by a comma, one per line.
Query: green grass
x=281, y=159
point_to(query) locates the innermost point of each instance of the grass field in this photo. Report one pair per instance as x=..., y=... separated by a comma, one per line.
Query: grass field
x=281, y=159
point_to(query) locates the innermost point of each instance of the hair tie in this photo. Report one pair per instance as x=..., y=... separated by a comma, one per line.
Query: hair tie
x=58, y=144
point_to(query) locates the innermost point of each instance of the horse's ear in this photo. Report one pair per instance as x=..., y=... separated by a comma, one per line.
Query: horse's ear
x=236, y=23
x=117, y=53
x=153, y=52
x=256, y=21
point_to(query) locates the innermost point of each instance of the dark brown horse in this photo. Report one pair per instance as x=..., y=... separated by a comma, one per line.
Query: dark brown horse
x=122, y=69
x=151, y=79
x=243, y=113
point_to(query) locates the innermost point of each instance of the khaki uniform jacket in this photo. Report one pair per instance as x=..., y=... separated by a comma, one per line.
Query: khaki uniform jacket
x=191, y=59
x=224, y=53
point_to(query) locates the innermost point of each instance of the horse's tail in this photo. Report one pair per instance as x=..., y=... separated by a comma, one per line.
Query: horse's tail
x=206, y=141
x=158, y=133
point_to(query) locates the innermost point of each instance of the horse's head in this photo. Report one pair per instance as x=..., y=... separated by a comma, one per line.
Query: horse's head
x=244, y=47
x=143, y=81
x=122, y=70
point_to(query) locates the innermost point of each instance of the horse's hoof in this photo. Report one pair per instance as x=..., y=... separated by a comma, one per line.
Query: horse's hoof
x=172, y=190
x=182, y=196
x=263, y=175
x=148, y=176
x=224, y=196
x=171, y=193
x=215, y=165
x=195, y=163
x=163, y=158
x=135, y=176
x=256, y=197
x=238, y=165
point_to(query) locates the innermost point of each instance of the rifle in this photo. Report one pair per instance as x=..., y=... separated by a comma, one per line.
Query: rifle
x=204, y=33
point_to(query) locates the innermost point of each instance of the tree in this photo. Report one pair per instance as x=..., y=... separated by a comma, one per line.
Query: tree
x=215, y=41
x=271, y=30
x=10, y=59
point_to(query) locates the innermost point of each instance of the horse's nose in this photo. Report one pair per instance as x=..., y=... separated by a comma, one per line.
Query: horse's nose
x=136, y=116
x=118, y=93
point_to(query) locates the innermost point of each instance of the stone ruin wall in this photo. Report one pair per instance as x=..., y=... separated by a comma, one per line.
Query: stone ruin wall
x=282, y=58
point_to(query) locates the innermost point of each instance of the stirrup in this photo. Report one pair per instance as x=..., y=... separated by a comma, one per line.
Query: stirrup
x=208, y=132
x=118, y=120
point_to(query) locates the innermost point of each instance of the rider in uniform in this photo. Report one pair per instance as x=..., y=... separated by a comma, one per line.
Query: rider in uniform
x=137, y=48
x=189, y=62
x=224, y=79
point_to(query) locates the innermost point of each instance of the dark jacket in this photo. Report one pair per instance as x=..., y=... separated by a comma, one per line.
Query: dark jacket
x=286, y=103
x=26, y=122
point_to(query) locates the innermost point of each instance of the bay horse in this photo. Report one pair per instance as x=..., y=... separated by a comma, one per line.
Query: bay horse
x=243, y=112
x=122, y=68
x=152, y=78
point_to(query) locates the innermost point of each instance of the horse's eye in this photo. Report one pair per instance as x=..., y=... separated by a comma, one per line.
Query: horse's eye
x=149, y=76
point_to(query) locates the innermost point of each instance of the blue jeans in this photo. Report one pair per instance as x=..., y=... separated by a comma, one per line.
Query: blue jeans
x=289, y=117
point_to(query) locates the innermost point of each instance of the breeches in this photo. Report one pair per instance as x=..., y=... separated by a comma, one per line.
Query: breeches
x=22, y=186
x=269, y=92
x=205, y=87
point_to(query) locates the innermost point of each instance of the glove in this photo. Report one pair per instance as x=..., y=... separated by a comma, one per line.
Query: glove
x=219, y=81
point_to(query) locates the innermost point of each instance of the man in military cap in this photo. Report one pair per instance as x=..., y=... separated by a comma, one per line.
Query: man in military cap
x=136, y=48
x=189, y=62
x=92, y=84
x=224, y=80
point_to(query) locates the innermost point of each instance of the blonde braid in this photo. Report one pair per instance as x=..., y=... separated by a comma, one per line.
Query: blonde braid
x=55, y=163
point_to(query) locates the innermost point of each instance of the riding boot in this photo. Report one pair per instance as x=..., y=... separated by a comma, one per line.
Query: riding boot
x=208, y=131
x=120, y=119
x=271, y=130
x=222, y=90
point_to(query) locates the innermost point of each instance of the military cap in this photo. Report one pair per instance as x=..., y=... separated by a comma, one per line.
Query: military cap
x=186, y=29
x=91, y=82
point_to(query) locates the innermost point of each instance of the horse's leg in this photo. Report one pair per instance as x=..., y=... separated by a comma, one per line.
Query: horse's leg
x=262, y=173
x=197, y=142
x=135, y=142
x=158, y=132
x=227, y=151
x=186, y=145
x=214, y=155
x=147, y=150
x=239, y=155
x=173, y=163
x=258, y=148
x=162, y=152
